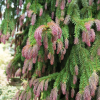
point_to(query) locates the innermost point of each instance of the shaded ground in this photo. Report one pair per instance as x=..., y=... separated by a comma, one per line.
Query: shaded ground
x=5, y=57
x=7, y=91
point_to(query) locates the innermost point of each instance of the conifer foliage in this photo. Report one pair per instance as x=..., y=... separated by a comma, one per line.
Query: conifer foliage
x=57, y=47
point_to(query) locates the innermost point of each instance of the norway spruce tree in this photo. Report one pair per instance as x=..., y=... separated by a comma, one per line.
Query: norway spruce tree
x=57, y=47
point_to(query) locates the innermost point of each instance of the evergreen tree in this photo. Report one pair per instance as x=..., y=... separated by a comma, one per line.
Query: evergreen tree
x=57, y=47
